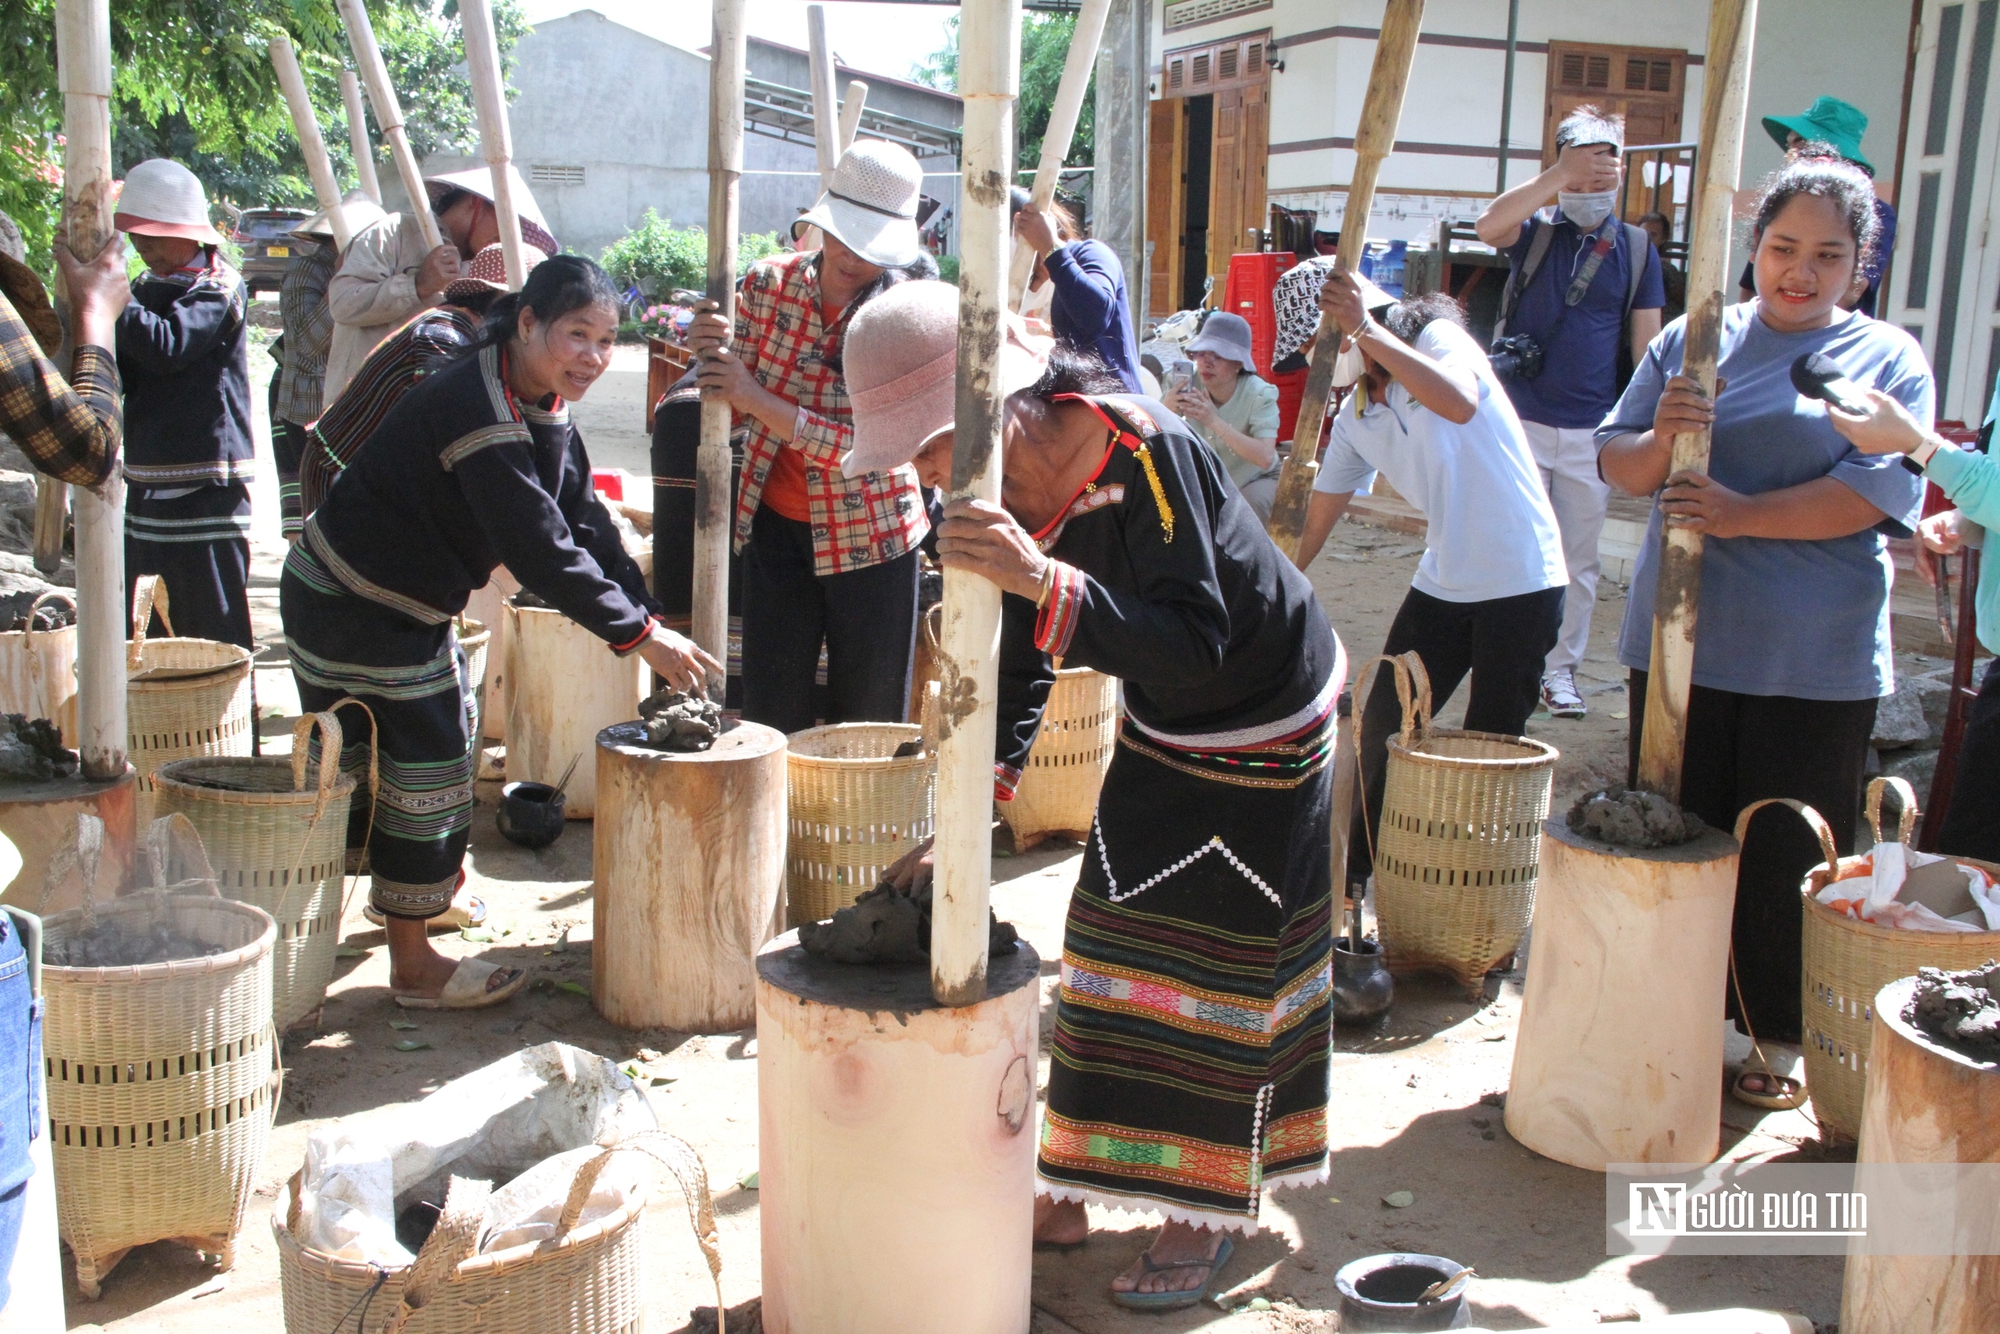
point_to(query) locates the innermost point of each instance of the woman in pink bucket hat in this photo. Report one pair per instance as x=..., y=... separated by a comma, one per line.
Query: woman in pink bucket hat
x=1194, y=1018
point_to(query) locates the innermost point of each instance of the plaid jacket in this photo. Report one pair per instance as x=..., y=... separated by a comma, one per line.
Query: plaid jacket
x=856, y=521
x=69, y=431
x=308, y=321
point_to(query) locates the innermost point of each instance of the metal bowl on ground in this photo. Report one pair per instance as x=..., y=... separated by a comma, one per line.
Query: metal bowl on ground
x=530, y=814
x=1380, y=1292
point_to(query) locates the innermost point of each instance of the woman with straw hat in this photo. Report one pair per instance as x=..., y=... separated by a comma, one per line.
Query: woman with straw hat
x=183, y=353
x=1194, y=1020
x=829, y=552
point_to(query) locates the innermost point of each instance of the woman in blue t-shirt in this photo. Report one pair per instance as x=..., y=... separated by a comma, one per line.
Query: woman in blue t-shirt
x=1792, y=646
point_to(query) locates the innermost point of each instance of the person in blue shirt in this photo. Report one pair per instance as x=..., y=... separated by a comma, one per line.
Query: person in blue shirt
x=1792, y=648
x=1970, y=479
x=1088, y=307
x=1839, y=125
x=1587, y=288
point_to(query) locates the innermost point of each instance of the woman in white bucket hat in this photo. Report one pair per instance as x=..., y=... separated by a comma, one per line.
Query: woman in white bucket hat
x=183, y=354
x=829, y=552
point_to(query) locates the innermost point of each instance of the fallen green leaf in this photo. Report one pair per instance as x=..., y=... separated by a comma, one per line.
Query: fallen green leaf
x=402, y=1024
x=631, y=1070
x=1399, y=1199
x=412, y=1044
x=749, y=1182
x=1622, y=713
x=350, y=952
x=476, y=935
x=574, y=988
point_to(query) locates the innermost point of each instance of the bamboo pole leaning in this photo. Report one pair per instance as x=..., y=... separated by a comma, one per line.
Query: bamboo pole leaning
x=496, y=141
x=826, y=118
x=357, y=136
x=1374, y=139
x=712, y=492
x=989, y=66
x=389, y=115
x=83, y=70
x=312, y=145
x=851, y=108
x=1732, y=25
x=1078, y=65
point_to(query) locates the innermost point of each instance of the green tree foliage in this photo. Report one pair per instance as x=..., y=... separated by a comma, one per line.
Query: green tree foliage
x=192, y=79
x=1044, y=48
x=659, y=257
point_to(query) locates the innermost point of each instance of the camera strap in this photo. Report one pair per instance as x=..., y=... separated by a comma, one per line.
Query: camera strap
x=1531, y=264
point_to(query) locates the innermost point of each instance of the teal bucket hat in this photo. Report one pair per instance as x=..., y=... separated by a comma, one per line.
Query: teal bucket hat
x=1830, y=121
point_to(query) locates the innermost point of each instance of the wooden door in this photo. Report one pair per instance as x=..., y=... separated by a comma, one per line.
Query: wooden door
x=1166, y=168
x=1237, y=193
x=1645, y=85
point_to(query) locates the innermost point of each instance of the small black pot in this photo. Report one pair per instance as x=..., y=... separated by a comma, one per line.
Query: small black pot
x=1378, y=1294
x=531, y=814
x=1362, y=988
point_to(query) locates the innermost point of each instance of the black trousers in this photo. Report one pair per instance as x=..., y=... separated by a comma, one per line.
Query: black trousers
x=1500, y=642
x=199, y=546
x=1744, y=748
x=1972, y=821
x=866, y=618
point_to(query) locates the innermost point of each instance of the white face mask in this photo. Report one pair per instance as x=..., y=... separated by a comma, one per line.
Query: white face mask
x=1587, y=210
x=1037, y=303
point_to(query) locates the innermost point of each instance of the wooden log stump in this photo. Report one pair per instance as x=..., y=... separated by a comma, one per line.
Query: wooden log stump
x=38, y=818
x=1619, y=1054
x=896, y=1146
x=563, y=687
x=690, y=866
x=1925, y=1104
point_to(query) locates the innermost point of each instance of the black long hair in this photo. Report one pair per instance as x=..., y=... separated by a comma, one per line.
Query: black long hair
x=555, y=287
x=1819, y=170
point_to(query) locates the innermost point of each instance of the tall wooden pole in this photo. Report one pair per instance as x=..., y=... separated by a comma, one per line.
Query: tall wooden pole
x=826, y=120
x=1078, y=65
x=851, y=108
x=357, y=136
x=1732, y=24
x=989, y=71
x=496, y=141
x=83, y=69
x=388, y=114
x=713, y=498
x=1374, y=138
x=292, y=82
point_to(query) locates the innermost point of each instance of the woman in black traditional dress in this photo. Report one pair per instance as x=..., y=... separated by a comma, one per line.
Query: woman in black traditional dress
x=1192, y=1026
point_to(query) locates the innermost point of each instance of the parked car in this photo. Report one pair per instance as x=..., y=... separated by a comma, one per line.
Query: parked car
x=265, y=236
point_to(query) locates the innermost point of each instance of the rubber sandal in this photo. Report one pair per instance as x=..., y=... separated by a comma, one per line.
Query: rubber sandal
x=453, y=918
x=1175, y=1301
x=1790, y=1094
x=467, y=988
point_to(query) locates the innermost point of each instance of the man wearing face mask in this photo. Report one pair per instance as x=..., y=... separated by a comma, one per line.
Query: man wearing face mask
x=1583, y=292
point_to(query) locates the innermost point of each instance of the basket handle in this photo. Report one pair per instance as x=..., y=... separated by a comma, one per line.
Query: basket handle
x=374, y=744
x=934, y=628
x=1906, y=802
x=329, y=754
x=53, y=594
x=1413, y=692
x=685, y=1166
x=176, y=858
x=452, y=1241
x=1806, y=813
x=149, y=595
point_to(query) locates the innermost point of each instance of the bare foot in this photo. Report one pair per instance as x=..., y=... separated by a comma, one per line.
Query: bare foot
x=1176, y=1242
x=415, y=969
x=1060, y=1224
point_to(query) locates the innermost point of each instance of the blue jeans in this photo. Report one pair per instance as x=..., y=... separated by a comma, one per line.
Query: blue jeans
x=20, y=1089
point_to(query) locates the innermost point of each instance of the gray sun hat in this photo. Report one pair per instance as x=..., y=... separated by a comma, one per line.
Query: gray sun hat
x=1228, y=336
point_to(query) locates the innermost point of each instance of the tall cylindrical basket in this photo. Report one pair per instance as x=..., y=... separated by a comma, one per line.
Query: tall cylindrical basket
x=38, y=669
x=183, y=697
x=1057, y=794
x=854, y=809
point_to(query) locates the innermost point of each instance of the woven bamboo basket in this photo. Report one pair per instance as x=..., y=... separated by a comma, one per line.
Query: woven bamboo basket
x=162, y=1077
x=38, y=670
x=587, y=1279
x=1847, y=961
x=476, y=638
x=1057, y=795
x=1460, y=839
x=278, y=844
x=183, y=697
x=853, y=810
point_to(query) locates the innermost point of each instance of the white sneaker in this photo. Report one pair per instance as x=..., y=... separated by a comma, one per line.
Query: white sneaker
x=1559, y=694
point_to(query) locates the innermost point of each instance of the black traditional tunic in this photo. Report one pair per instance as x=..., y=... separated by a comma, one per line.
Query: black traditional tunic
x=460, y=477
x=1194, y=1018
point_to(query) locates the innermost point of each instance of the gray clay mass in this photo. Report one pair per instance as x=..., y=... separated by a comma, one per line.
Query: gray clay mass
x=1627, y=818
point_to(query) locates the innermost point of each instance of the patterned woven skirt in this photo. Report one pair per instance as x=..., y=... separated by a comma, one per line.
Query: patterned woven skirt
x=1194, y=1020
x=410, y=676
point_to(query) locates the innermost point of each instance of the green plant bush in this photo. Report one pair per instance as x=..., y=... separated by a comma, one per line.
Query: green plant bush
x=660, y=256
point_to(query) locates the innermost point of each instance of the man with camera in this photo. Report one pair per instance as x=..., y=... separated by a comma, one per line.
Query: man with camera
x=1583, y=293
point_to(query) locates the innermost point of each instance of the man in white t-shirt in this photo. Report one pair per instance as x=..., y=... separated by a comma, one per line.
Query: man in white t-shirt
x=1488, y=594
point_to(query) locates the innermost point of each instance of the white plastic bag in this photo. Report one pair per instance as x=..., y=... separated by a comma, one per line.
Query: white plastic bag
x=497, y=1123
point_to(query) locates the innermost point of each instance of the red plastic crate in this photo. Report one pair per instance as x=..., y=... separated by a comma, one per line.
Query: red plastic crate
x=1291, y=392
x=1249, y=292
x=608, y=483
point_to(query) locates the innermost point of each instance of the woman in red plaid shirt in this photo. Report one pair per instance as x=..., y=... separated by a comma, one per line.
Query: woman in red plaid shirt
x=827, y=558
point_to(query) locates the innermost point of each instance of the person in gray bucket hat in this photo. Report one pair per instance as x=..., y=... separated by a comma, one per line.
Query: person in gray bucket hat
x=1231, y=408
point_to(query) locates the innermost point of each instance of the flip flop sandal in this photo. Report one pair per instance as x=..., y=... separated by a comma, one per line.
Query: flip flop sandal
x=469, y=988
x=1780, y=1093
x=453, y=918
x=1175, y=1301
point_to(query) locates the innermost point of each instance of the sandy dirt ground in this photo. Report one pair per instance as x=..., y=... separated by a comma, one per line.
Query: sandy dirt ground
x=1415, y=1099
